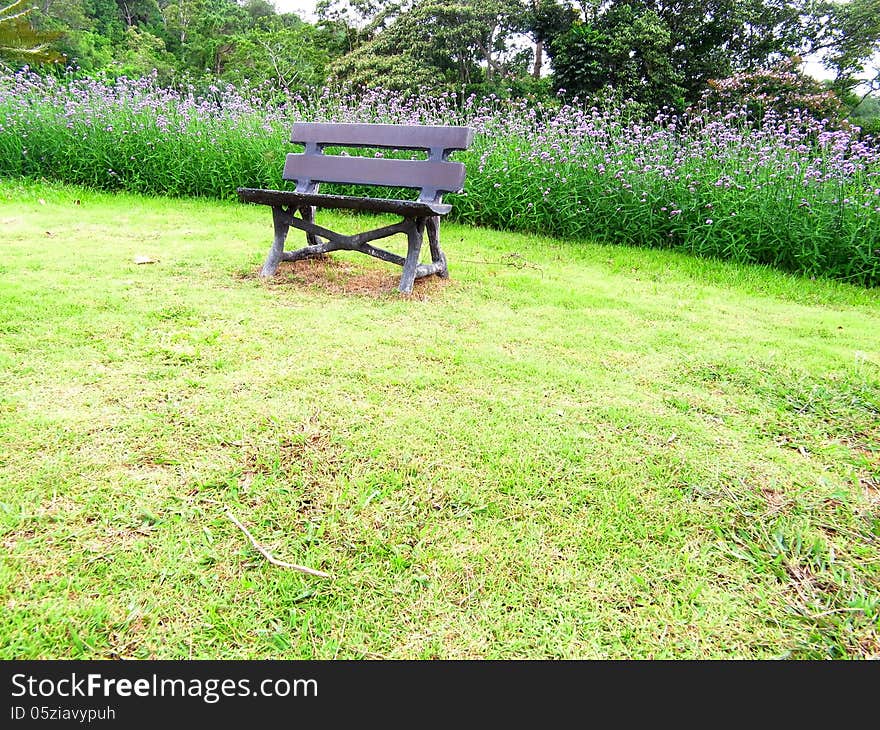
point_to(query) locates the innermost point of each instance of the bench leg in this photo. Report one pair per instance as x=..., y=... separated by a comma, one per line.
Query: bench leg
x=414, y=248
x=277, y=251
x=437, y=256
x=308, y=214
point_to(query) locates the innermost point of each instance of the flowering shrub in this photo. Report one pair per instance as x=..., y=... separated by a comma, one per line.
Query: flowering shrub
x=777, y=89
x=788, y=192
x=135, y=135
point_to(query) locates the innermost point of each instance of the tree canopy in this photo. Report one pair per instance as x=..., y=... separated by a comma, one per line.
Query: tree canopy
x=647, y=52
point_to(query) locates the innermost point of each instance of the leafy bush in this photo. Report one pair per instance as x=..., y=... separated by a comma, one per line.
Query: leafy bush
x=777, y=89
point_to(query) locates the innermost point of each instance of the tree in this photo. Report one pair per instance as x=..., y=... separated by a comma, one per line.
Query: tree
x=665, y=51
x=178, y=19
x=851, y=45
x=259, y=10
x=138, y=12
x=437, y=44
x=290, y=57
x=87, y=29
x=141, y=53
x=347, y=22
x=372, y=15
x=198, y=32
x=20, y=42
x=624, y=52
x=546, y=20
x=106, y=18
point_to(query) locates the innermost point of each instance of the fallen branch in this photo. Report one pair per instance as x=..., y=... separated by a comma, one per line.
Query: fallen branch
x=518, y=262
x=510, y=259
x=266, y=554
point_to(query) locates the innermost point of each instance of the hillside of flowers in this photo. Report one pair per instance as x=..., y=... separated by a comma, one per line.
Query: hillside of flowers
x=786, y=191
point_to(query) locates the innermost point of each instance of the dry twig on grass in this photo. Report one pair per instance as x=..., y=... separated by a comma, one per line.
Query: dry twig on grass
x=517, y=261
x=266, y=554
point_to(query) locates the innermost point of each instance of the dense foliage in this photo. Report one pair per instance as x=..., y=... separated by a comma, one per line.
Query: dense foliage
x=212, y=39
x=19, y=40
x=659, y=52
x=646, y=52
x=786, y=191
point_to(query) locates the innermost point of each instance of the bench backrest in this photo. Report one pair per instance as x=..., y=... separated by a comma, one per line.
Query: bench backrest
x=433, y=176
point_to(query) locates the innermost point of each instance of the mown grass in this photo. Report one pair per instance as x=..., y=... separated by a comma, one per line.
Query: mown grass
x=586, y=451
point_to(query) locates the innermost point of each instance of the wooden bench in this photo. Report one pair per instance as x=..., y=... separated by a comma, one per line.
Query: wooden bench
x=433, y=176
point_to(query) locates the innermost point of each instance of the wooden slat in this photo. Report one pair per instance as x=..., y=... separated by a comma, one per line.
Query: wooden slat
x=407, y=208
x=396, y=136
x=420, y=174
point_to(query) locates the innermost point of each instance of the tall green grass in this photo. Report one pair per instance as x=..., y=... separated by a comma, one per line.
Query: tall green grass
x=788, y=192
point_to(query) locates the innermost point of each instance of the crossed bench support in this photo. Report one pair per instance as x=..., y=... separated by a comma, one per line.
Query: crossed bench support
x=414, y=228
x=432, y=176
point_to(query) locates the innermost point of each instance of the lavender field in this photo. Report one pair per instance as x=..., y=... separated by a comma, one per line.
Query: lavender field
x=786, y=192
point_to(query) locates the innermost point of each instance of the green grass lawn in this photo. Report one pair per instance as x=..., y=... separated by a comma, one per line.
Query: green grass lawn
x=566, y=450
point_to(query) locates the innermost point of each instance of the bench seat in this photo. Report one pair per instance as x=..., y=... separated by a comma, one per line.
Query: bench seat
x=406, y=208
